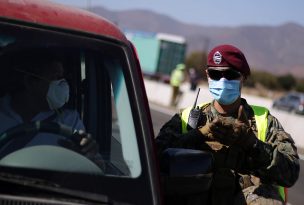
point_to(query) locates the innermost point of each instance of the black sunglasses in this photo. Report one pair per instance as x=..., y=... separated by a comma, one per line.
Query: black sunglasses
x=229, y=74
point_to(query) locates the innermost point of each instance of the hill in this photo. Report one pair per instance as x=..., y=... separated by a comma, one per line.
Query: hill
x=277, y=49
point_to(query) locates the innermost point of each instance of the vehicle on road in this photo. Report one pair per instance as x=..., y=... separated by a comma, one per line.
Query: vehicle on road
x=107, y=90
x=291, y=102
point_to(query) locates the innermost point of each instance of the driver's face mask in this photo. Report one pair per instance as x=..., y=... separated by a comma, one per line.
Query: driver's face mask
x=58, y=94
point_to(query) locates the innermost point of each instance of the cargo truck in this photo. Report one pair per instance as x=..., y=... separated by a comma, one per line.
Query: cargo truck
x=158, y=53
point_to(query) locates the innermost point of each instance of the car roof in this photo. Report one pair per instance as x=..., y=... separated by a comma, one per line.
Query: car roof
x=296, y=94
x=57, y=15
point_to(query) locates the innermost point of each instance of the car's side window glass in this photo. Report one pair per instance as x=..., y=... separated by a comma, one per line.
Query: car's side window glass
x=127, y=135
x=294, y=98
x=118, y=144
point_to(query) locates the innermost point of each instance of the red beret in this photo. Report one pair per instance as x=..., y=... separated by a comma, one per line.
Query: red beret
x=228, y=56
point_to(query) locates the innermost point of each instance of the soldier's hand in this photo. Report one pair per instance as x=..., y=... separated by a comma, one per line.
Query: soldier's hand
x=220, y=129
x=206, y=131
x=245, y=135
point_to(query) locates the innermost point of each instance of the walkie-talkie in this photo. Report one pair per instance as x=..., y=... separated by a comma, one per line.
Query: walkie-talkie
x=194, y=115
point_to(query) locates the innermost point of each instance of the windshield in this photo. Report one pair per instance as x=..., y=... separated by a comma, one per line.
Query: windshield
x=65, y=107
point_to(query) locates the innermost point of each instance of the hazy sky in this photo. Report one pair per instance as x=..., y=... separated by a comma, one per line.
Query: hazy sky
x=212, y=12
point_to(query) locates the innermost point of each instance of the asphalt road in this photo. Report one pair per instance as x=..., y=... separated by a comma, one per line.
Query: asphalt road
x=295, y=193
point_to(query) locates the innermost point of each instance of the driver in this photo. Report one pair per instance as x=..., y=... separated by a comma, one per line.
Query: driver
x=39, y=93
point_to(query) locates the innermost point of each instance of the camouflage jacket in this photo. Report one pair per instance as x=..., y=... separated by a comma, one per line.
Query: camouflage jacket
x=274, y=161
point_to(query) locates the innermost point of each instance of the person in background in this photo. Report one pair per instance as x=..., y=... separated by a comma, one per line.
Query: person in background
x=255, y=160
x=193, y=79
x=176, y=79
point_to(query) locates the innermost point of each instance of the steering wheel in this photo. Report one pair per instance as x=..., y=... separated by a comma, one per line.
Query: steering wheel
x=34, y=128
x=35, y=156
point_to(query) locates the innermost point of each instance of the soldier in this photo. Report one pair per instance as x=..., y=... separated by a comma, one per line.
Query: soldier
x=254, y=158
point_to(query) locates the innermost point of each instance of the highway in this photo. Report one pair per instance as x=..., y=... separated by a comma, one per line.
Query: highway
x=296, y=197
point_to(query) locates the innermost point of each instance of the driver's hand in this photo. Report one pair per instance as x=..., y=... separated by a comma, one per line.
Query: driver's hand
x=81, y=142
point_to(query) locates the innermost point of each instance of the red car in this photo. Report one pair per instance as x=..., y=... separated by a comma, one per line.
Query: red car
x=107, y=90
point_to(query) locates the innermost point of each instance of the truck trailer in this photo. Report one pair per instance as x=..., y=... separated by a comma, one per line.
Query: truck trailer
x=158, y=53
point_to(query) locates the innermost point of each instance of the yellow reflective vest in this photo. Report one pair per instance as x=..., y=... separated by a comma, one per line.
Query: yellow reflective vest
x=177, y=77
x=260, y=114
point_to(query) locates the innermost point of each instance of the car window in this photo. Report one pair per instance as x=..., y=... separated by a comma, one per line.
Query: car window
x=99, y=99
x=119, y=150
x=294, y=98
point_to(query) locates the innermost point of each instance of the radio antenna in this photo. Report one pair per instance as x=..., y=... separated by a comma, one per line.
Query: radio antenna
x=196, y=98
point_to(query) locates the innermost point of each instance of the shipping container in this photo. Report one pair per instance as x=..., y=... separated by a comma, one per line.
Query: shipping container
x=158, y=53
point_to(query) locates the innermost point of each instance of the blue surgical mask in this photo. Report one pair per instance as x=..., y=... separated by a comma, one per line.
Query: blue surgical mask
x=225, y=91
x=58, y=94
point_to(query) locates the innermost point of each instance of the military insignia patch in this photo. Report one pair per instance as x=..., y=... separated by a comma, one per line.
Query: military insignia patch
x=217, y=57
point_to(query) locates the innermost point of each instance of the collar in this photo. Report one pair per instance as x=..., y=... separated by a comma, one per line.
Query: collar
x=234, y=114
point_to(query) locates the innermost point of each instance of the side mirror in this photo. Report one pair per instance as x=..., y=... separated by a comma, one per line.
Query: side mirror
x=186, y=171
x=185, y=162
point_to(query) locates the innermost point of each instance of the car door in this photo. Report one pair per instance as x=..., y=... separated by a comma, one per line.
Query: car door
x=107, y=90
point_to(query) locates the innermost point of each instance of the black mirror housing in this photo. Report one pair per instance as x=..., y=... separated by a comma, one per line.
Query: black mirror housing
x=185, y=162
x=186, y=171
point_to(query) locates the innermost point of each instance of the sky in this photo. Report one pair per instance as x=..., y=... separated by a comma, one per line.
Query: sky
x=211, y=12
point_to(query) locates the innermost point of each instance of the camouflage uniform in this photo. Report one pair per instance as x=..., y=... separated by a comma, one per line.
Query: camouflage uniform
x=240, y=177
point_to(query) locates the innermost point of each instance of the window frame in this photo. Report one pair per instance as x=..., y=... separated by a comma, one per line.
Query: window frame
x=114, y=188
